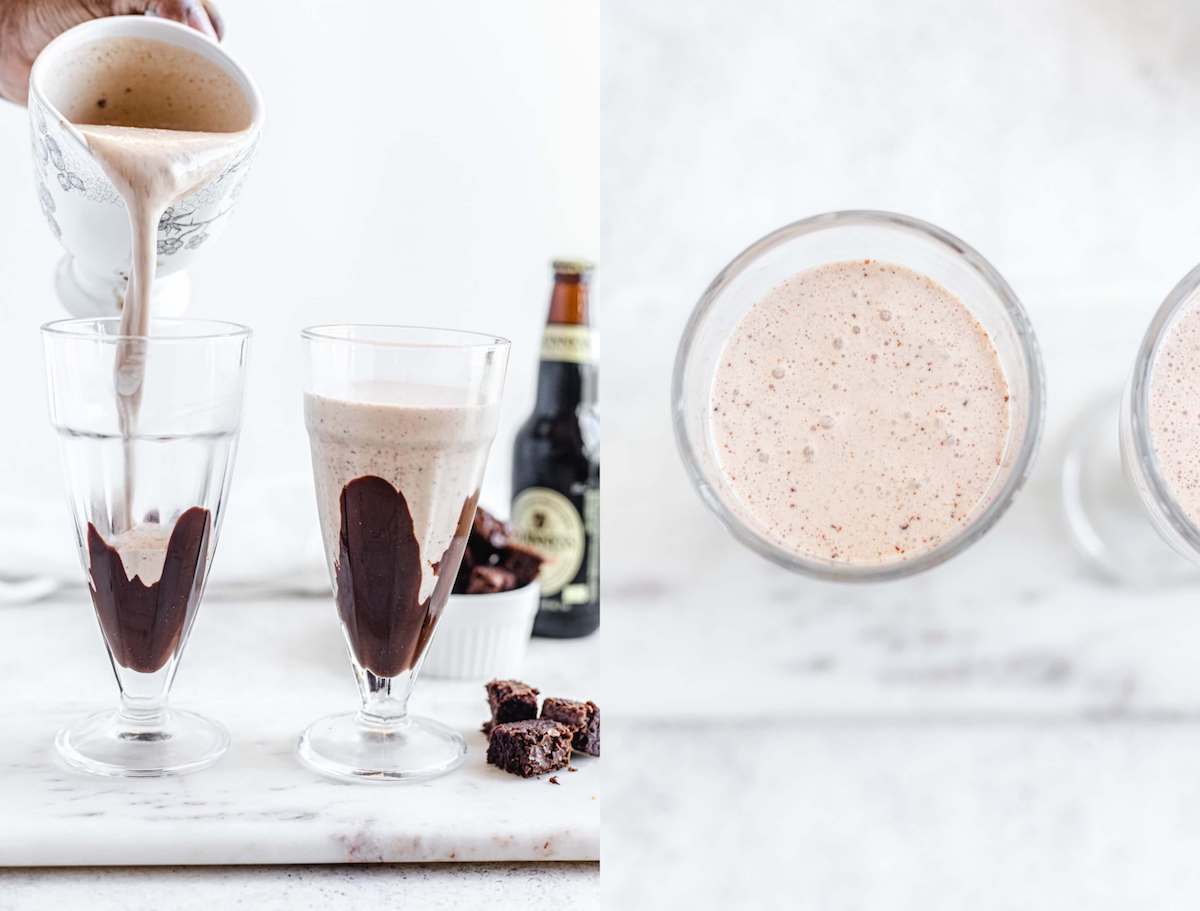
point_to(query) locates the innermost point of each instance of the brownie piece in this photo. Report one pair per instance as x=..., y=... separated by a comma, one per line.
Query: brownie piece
x=488, y=579
x=583, y=718
x=522, y=562
x=492, y=560
x=488, y=535
x=510, y=700
x=529, y=748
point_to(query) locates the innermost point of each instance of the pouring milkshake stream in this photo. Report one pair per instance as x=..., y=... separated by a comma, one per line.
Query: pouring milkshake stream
x=160, y=121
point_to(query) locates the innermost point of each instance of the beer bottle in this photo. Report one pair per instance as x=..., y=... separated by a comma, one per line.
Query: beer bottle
x=556, y=464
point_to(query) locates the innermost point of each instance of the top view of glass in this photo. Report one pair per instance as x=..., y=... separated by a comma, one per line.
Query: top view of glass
x=858, y=395
x=1160, y=419
x=1130, y=475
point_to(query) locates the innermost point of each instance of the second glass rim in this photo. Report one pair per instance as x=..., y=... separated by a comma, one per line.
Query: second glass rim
x=341, y=332
x=1165, y=504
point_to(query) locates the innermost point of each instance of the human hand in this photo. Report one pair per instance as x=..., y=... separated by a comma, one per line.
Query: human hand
x=27, y=26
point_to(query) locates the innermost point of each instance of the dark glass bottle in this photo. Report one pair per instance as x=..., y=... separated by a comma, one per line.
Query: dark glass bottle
x=556, y=464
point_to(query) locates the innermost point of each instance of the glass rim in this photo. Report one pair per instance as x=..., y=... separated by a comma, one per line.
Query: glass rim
x=73, y=328
x=1165, y=505
x=1022, y=460
x=328, y=332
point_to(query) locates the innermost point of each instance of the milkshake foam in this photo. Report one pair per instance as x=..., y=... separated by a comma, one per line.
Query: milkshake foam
x=1174, y=418
x=860, y=414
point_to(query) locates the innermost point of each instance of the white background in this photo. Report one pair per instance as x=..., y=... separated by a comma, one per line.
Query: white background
x=421, y=163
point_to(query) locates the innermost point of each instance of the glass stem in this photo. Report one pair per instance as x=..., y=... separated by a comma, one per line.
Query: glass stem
x=142, y=712
x=144, y=696
x=384, y=699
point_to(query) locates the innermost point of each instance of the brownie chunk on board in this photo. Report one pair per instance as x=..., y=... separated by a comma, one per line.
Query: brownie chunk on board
x=583, y=718
x=529, y=748
x=510, y=700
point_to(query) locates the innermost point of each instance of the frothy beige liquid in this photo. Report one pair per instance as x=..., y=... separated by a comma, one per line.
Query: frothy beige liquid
x=1175, y=410
x=433, y=452
x=161, y=121
x=143, y=548
x=860, y=414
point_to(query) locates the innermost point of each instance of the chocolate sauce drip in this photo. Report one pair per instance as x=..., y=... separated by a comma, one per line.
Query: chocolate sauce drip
x=378, y=573
x=144, y=623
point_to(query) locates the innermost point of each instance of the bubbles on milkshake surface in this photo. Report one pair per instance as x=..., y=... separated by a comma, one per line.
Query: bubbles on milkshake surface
x=1174, y=430
x=875, y=384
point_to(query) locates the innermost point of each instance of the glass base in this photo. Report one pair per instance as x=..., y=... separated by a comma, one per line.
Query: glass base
x=1109, y=525
x=413, y=749
x=110, y=743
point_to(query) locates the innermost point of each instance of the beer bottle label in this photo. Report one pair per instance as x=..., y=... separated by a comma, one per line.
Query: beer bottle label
x=549, y=523
x=591, y=524
x=569, y=344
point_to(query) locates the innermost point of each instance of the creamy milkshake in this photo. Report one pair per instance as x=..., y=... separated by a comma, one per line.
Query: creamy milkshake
x=396, y=492
x=1174, y=417
x=860, y=414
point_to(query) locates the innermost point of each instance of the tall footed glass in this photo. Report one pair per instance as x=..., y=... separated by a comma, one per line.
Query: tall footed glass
x=400, y=420
x=148, y=471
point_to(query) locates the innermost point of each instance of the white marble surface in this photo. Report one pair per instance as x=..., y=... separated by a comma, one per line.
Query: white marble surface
x=266, y=669
x=430, y=887
x=907, y=817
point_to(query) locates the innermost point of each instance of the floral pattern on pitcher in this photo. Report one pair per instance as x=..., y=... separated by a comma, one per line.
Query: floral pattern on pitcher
x=62, y=164
x=182, y=226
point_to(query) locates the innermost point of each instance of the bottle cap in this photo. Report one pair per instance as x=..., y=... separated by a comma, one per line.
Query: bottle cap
x=572, y=266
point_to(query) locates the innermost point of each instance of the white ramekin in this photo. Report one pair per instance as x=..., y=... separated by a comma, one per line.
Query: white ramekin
x=483, y=636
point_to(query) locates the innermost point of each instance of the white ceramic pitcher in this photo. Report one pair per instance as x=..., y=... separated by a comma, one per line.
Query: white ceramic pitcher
x=84, y=210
